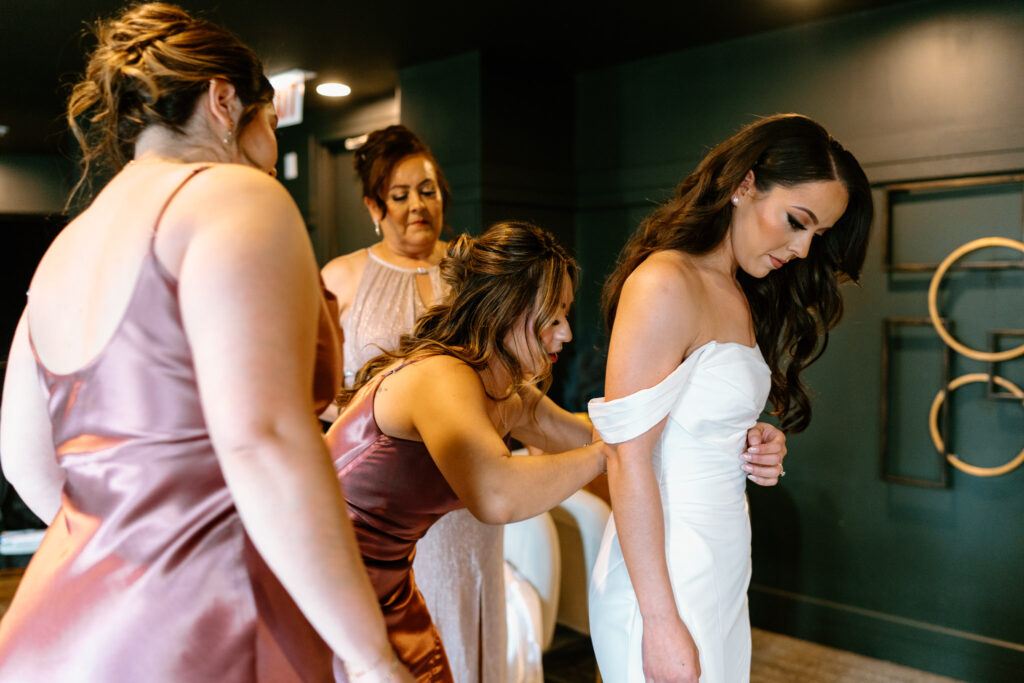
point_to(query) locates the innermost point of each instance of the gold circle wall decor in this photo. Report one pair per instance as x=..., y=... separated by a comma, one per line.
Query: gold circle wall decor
x=933, y=292
x=933, y=425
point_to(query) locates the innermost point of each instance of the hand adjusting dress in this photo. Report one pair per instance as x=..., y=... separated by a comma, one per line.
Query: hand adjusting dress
x=146, y=573
x=711, y=400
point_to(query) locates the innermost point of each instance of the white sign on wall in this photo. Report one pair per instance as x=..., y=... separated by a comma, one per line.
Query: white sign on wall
x=289, y=89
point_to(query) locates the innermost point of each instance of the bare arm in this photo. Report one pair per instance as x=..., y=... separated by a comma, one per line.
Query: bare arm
x=547, y=426
x=445, y=404
x=249, y=301
x=26, y=436
x=654, y=326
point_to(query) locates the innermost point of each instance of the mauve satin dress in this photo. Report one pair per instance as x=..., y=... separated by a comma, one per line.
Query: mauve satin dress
x=395, y=492
x=460, y=564
x=146, y=573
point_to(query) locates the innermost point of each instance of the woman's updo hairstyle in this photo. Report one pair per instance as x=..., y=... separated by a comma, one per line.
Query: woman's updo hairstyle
x=150, y=66
x=456, y=262
x=495, y=280
x=378, y=156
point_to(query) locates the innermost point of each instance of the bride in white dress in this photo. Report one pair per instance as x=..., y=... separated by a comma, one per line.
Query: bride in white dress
x=709, y=323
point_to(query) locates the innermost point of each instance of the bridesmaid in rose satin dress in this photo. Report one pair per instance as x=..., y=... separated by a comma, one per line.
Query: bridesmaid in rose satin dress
x=425, y=428
x=159, y=404
x=381, y=292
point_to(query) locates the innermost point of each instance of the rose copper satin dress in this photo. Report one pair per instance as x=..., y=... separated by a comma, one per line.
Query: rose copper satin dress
x=146, y=573
x=460, y=563
x=395, y=493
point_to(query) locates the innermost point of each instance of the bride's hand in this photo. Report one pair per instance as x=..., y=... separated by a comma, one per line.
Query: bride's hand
x=669, y=652
x=766, y=447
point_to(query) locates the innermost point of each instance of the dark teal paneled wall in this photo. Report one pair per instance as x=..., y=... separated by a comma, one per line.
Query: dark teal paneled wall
x=528, y=152
x=924, y=89
x=930, y=578
x=500, y=131
x=500, y=127
x=441, y=102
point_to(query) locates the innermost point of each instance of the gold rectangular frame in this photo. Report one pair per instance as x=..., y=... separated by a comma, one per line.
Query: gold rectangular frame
x=888, y=326
x=951, y=184
x=991, y=391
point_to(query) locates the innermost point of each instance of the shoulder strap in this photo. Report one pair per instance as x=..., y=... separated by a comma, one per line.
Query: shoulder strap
x=167, y=202
x=408, y=362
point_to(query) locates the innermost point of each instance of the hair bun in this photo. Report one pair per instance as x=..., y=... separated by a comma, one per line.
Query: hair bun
x=151, y=64
x=455, y=264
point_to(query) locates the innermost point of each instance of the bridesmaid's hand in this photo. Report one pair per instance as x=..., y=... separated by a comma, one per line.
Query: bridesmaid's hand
x=766, y=447
x=387, y=670
x=669, y=652
x=401, y=675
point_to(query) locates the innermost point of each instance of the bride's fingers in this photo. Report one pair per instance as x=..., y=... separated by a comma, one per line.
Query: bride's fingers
x=772, y=480
x=762, y=465
x=767, y=471
x=767, y=459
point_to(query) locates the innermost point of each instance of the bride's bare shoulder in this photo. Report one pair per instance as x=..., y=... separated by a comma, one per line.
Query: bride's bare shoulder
x=666, y=278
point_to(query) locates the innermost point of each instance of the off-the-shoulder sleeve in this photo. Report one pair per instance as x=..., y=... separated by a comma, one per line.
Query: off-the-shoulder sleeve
x=630, y=416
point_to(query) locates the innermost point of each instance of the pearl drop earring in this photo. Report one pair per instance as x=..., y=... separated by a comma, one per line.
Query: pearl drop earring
x=735, y=200
x=227, y=137
x=376, y=227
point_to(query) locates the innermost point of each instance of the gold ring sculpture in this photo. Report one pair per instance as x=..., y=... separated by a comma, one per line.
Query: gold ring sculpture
x=933, y=309
x=933, y=424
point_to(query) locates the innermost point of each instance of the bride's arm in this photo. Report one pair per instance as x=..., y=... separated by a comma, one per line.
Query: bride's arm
x=654, y=326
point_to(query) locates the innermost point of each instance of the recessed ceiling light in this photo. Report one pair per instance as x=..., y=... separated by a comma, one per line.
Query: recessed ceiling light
x=3, y=131
x=333, y=89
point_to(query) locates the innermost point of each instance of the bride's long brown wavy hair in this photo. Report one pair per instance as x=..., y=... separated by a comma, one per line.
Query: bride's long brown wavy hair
x=494, y=282
x=793, y=307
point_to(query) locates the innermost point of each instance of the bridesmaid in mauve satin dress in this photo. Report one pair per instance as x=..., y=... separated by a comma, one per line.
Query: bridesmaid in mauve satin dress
x=381, y=292
x=128, y=429
x=395, y=493
x=425, y=428
x=158, y=406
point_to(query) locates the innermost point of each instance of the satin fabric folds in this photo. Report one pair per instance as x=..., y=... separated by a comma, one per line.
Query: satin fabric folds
x=146, y=573
x=395, y=493
x=459, y=564
x=710, y=400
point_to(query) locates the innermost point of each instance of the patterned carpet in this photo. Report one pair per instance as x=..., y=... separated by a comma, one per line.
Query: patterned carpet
x=776, y=659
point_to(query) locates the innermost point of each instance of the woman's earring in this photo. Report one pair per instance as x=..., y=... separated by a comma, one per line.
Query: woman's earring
x=735, y=200
x=227, y=137
x=376, y=227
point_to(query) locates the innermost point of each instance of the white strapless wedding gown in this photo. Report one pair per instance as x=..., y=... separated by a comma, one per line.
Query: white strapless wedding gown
x=712, y=399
